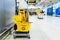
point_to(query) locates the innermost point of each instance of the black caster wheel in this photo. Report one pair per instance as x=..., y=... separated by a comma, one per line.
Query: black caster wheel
x=28, y=37
x=14, y=37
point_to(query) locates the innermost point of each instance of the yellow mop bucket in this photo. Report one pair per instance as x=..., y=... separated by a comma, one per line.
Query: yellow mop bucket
x=23, y=26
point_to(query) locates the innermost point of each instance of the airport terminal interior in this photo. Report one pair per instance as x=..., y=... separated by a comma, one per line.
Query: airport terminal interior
x=29, y=19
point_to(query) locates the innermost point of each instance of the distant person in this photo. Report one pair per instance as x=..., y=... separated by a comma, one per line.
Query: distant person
x=42, y=12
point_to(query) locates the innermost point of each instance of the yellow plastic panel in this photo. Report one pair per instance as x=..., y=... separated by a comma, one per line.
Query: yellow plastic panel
x=23, y=27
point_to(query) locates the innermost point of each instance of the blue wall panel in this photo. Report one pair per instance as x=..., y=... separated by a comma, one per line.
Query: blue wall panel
x=50, y=11
x=58, y=11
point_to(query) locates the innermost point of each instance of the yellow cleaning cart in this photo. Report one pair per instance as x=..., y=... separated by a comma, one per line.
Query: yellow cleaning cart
x=22, y=24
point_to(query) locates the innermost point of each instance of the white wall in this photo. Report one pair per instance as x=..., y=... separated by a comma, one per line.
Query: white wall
x=22, y=4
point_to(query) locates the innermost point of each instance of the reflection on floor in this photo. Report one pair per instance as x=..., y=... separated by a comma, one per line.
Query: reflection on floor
x=43, y=29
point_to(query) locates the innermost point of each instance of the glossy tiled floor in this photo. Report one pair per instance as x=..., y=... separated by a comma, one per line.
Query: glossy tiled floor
x=43, y=29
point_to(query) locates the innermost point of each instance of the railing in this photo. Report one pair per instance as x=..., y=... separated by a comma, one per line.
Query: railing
x=4, y=34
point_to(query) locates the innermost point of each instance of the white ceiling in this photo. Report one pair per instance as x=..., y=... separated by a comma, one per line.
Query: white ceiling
x=41, y=3
x=46, y=2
